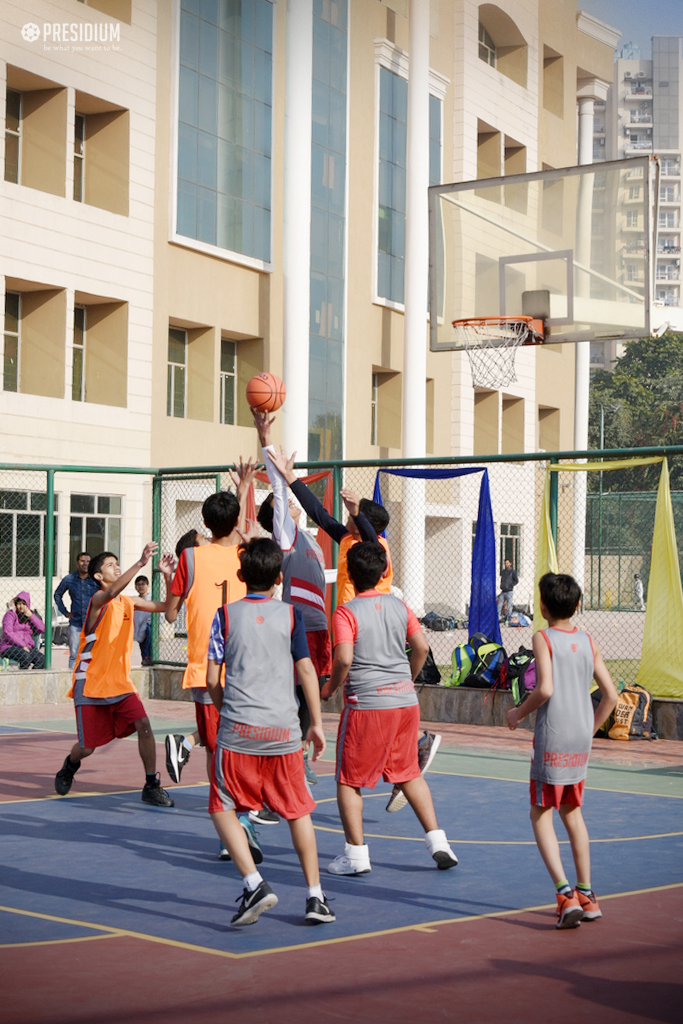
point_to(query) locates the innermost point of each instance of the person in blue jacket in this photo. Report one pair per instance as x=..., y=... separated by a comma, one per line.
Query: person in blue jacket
x=80, y=588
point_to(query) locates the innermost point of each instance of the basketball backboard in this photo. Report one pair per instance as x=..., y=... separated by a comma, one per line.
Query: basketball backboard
x=570, y=245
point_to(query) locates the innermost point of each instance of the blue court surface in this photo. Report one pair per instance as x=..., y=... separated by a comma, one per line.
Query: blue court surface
x=86, y=865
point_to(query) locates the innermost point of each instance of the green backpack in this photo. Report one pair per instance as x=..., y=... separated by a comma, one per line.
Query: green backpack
x=462, y=659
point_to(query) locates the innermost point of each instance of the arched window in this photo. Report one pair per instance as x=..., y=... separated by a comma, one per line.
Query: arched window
x=501, y=44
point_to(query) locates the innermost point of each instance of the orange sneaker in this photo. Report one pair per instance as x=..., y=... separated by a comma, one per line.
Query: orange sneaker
x=569, y=912
x=589, y=905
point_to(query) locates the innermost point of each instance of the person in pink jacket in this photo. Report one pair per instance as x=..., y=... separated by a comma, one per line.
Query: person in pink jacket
x=19, y=627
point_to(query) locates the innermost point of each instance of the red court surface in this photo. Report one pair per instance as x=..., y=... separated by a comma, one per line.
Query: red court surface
x=81, y=962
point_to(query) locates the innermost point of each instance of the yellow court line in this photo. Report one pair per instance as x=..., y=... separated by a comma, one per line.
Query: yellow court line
x=421, y=927
x=594, y=789
x=92, y=792
x=56, y=942
x=500, y=842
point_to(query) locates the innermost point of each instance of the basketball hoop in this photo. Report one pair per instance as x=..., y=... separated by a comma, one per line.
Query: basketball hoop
x=491, y=344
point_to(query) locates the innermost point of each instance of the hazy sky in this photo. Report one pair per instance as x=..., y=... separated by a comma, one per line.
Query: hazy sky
x=638, y=20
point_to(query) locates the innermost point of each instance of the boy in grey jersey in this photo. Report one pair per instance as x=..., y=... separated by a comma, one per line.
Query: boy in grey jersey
x=258, y=753
x=378, y=727
x=567, y=660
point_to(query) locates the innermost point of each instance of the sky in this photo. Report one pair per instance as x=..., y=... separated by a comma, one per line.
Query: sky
x=638, y=20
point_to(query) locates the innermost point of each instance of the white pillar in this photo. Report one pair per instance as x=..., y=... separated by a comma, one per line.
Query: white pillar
x=416, y=296
x=296, y=255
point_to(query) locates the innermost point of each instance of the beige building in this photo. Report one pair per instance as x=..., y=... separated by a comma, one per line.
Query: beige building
x=196, y=190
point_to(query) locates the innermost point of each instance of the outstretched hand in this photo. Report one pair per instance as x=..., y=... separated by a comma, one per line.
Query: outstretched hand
x=351, y=500
x=167, y=564
x=250, y=533
x=149, y=550
x=284, y=465
x=263, y=422
x=244, y=473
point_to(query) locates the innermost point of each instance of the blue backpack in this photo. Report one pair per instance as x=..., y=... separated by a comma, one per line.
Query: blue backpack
x=488, y=661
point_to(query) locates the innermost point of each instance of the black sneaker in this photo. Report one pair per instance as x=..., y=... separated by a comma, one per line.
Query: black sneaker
x=177, y=756
x=65, y=777
x=264, y=817
x=253, y=904
x=319, y=911
x=152, y=793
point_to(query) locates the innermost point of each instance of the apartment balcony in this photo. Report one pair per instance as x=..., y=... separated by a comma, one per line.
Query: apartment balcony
x=640, y=92
x=673, y=275
x=638, y=147
x=668, y=250
x=668, y=227
x=645, y=119
x=674, y=172
x=599, y=129
x=670, y=200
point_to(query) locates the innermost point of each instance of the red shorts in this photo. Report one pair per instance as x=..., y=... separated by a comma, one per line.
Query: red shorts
x=244, y=782
x=377, y=743
x=208, y=717
x=543, y=794
x=321, y=651
x=101, y=723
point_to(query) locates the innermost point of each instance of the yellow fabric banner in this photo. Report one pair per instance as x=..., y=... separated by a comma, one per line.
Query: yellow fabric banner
x=661, y=659
x=661, y=664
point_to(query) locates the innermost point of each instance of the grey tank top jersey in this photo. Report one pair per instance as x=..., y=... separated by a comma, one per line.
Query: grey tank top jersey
x=380, y=675
x=303, y=580
x=564, y=724
x=260, y=712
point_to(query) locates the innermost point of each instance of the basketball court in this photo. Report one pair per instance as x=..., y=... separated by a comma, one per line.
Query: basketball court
x=113, y=911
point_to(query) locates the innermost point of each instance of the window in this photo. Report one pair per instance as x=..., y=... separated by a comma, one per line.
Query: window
x=95, y=525
x=632, y=272
x=667, y=220
x=667, y=194
x=177, y=372
x=670, y=168
x=228, y=380
x=12, y=135
x=224, y=130
x=634, y=192
x=22, y=533
x=393, y=122
x=487, y=47
x=78, y=367
x=10, y=379
x=632, y=219
x=373, y=409
x=510, y=538
x=79, y=157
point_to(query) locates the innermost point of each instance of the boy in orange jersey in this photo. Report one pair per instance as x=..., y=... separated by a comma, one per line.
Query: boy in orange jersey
x=106, y=701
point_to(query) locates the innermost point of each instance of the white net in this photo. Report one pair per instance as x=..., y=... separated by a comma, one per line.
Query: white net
x=491, y=346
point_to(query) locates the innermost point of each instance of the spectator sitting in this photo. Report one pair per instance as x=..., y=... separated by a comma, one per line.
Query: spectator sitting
x=19, y=627
x=80, y=588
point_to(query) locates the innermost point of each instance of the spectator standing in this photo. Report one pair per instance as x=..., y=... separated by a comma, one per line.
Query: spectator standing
x=143, y=622
x=19, y=629
x=638, y=593
x=80, y=588
x=508, y=581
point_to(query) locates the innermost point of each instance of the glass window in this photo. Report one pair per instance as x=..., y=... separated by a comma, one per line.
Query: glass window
x=177, y=357
x=392, y=185
x=78, y=368
x=487, y=47
x=92, y=532
x=10, y=380
x=225, y=91
x=79, y=157
x=23, y=525
x=228, y=380
x=510, y=539
x=12, y=135
x=373, y=409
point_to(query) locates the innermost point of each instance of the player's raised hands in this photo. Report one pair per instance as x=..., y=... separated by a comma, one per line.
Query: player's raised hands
x=244, y=473
x=150, y=549
x=315, y=737
x=167, y=564
x=351, y=500
x=283, y=464
x=263, y=421
x=251, y=531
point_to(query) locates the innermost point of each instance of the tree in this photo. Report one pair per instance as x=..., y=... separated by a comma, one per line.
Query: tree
x=642, y=400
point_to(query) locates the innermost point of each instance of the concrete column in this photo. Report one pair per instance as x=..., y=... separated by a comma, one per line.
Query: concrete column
x=416, y=296
x=296, y=256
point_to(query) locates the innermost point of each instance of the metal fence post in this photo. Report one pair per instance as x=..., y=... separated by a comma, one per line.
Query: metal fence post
x=553, y=502
x=49, y=563
x=156, y=582
x=336, y=507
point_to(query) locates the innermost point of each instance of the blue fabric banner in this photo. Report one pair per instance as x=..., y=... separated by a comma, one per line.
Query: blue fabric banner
x=483, y=617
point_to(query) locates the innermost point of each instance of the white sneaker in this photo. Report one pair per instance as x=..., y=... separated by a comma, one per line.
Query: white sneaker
x=438, y=847
x=355, y=860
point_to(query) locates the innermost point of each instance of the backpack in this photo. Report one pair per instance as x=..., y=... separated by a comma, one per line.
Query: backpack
x=462, y=659
x=518, y=674
x=429, y=674
x=438, y=623
x=488, y=661
x=633, y=715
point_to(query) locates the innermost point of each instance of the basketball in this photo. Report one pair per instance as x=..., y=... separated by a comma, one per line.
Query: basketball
x=265, y=392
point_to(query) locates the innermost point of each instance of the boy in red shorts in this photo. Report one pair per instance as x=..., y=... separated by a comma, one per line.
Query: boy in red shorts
x=258, y=756
x=106, y=701
x=379, y=725
x=567, y=659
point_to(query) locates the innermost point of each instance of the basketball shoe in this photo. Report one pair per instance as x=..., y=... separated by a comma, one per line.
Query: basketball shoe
x=589, y=905
x=177, y=756
x=569, y=912
x=427, y=746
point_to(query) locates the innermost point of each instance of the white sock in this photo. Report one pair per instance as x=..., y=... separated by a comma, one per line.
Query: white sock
x=188, y=743
x=316, y=890
x=436, y=840
x=356, y=852
x=252, y=881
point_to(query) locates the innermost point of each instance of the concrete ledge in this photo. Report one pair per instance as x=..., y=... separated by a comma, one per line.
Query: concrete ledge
x=460, y=705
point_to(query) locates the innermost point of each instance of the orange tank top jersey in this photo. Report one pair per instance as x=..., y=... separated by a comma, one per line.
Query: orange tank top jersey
x=102, y=668
x=345, y=591
x=211, y=582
